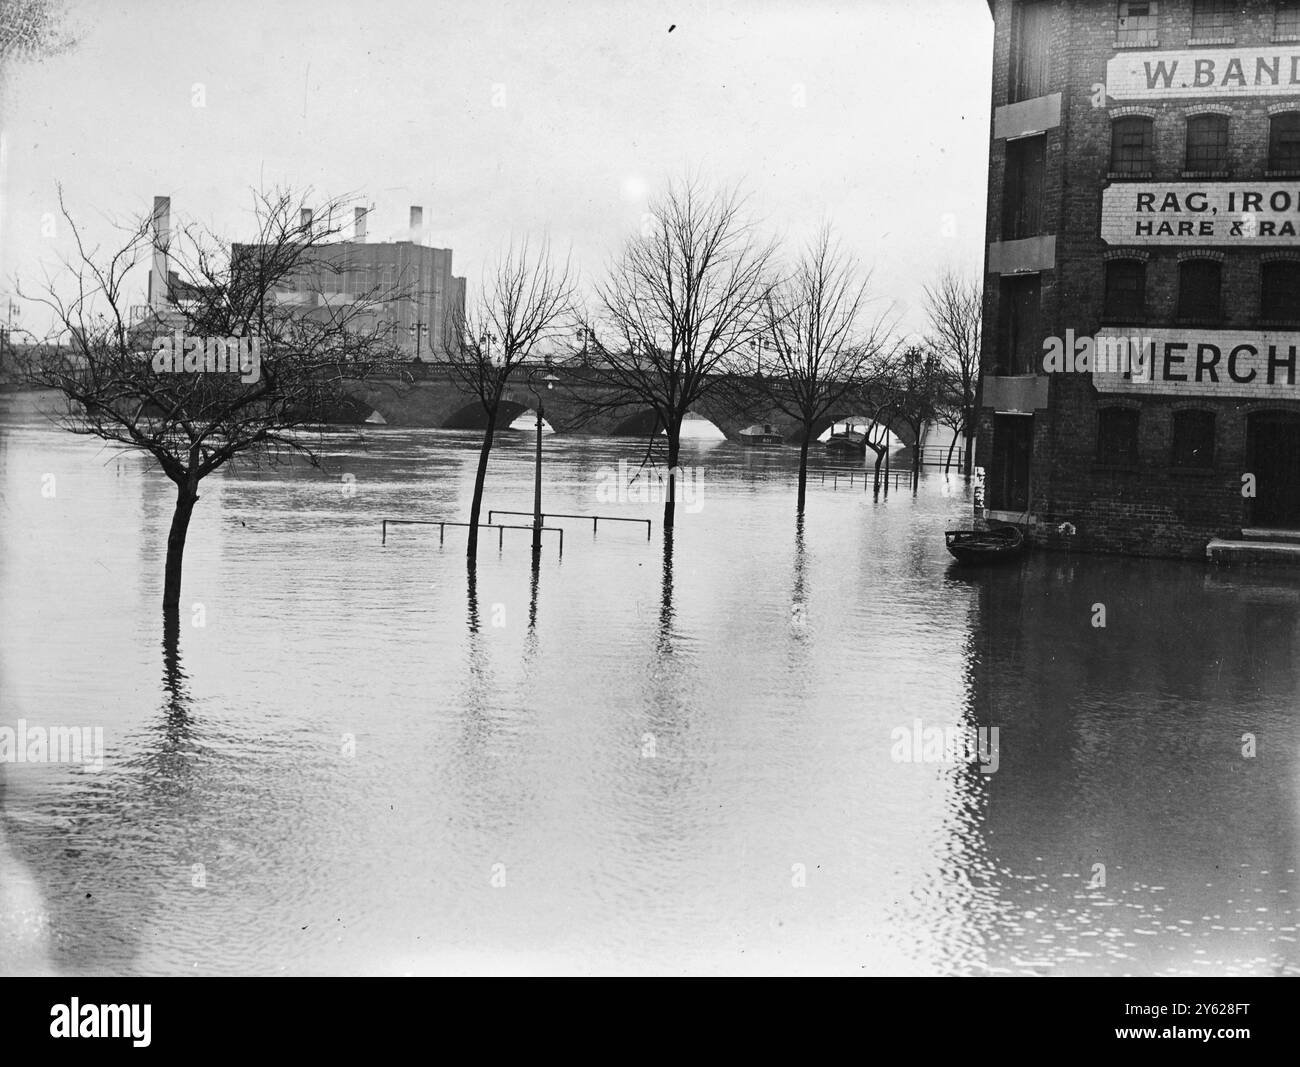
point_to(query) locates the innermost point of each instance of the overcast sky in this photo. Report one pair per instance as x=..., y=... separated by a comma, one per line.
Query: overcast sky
x=872, y=114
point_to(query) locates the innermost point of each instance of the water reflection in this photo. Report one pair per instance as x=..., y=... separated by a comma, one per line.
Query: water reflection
x=350, y=769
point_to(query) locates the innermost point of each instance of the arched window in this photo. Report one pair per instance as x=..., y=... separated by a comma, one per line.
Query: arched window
x=1207, y=142
x=1126, y=290
x=1279, y=291
x=1193, y=439
x=1284, y=141
x=1199, y=289
x=1132, y=145
x=1117, y=437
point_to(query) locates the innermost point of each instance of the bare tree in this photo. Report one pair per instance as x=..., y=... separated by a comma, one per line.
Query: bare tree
x=680, y=302
x=917, y=389
x=824, y=350
x=234, y=364
x=525, y=301
x=954, y=306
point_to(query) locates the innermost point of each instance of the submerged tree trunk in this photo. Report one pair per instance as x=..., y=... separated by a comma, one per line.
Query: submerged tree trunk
x=952, y=446
x=186, y=497
x=803, y=467
x=674, y=449
x=480, y=476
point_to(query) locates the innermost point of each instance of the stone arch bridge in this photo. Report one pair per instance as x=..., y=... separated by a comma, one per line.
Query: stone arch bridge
x=434, y=396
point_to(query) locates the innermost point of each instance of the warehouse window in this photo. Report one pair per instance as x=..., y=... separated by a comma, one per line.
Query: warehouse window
x=1132, y=145
x=1029, y=60
x=1126, y=290
x=1199, y=289
x=1020, y=339
x=1284, y=141
x=1022, y=198
x=1137, y=22
x=1212, y=19
x=1286, y=19
x=1117, y=437
x=1193, y=439
x=1207, y=142
x=1279, y=296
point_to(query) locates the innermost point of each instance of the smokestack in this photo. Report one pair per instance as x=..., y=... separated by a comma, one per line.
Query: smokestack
x=304, y=218
x=359, y=224
x=417, y=224
x=158, y=282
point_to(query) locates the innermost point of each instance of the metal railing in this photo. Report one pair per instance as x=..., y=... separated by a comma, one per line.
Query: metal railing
x=442, y=525
x=560, y=515
x=866, y=474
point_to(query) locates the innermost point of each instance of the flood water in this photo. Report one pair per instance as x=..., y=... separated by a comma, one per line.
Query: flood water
x=354, y=760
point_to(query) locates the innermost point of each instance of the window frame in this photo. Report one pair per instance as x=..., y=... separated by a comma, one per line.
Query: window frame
x=1190, y=301
x=1010, y=328
x=1181, y=458
x=1136, y=30
x=1284, y=130
x=1216, y=24
x=1268, y=286
x=1026, y=83
x=1219, y=124
x=1022, y=214
x=1141, y=164
x=1136, y=314
x=1291, y=29
x=1109, y=451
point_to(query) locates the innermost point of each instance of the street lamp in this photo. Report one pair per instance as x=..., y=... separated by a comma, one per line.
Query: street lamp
x=416, y=330
x=550, y=380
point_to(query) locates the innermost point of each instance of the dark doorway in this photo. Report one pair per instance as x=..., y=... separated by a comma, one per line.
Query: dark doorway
x=1013, y=445
x=1273, y=443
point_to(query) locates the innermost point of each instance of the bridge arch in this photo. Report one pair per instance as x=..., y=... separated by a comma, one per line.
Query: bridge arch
x=473, y=417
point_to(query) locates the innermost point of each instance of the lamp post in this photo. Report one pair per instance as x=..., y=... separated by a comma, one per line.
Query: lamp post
x=550, y=380
x=416, y=330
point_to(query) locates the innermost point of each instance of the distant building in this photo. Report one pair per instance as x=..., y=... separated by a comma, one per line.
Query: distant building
x=431, y=296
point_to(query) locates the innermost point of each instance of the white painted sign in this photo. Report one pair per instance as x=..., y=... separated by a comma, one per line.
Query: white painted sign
x=1201, y=213
x=1210, y=363
x=1209, y=73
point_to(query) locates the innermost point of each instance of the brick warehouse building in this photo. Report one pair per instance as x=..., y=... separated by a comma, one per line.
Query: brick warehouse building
x=1144, y=213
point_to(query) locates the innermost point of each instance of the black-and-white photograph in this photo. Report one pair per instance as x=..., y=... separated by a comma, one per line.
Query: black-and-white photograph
x=727, y=488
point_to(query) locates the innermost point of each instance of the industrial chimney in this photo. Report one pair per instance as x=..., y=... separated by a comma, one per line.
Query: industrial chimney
x=359, y=224
x=158, y=281
x=417, y=224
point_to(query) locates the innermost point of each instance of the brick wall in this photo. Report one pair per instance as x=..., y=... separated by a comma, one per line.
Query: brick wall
x=1153, y=509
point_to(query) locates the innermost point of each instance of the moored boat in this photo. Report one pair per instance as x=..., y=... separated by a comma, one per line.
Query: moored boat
x=985, y=546
x=848, y=442
x=761, y=433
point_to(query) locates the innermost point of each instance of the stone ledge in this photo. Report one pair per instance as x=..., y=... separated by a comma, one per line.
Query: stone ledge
x=1253, y=553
